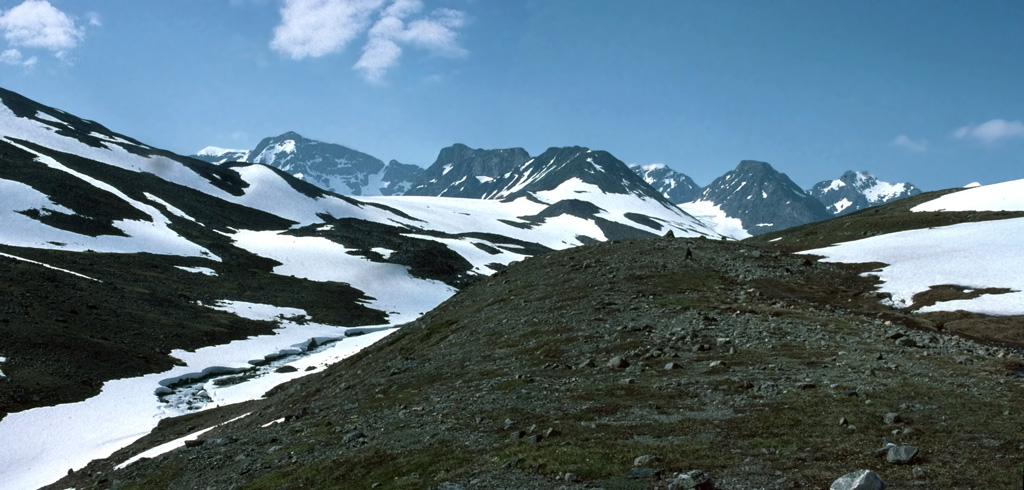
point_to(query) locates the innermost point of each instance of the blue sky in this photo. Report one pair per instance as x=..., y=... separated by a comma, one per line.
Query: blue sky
x=928, y=91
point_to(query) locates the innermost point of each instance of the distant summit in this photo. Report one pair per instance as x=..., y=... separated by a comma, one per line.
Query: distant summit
x=674, y=186
x=329, y=166
x=854, y=191
x=762, y=198
x=460, y=171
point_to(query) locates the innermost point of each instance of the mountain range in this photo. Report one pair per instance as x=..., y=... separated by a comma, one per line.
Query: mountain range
x=754, y=195
x=550, y=322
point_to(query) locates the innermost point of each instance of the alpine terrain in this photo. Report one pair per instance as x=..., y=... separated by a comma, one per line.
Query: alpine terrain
x=854, y=191
x=675, y=186
x=551, y=322
x=329, y=166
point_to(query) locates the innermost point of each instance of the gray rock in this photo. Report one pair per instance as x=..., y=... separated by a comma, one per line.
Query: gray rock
x=859, y=480
x=892, y=418
x=901, y=454
x=644, y=460
x=672, y=365
x=906, y=342
x=643, y=473
x=618, y=362
x=692, y=480
x=353, y=436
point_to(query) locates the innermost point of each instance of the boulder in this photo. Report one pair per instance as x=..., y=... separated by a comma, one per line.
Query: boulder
x=859, y=480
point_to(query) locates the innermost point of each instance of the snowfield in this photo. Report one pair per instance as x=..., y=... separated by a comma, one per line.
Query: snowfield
x=969, y=255
x=40, y=445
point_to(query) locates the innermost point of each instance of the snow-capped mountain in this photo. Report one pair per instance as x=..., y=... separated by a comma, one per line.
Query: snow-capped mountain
x=762, y=198
x=460, y=171
x=854, y=191
x=675, y=186
x=507, y=174
x=329, y=166
x=123, y=252
x=219, y=155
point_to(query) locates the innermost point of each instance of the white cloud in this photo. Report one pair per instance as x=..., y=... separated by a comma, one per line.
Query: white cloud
x=314, y=28
x=904, y=141
x=94, y=19
x=435, y=34
x=37, y=24
x=991, y=131
x=14, y=57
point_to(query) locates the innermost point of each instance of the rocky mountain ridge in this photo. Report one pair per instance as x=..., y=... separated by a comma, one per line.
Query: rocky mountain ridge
x=332, y=167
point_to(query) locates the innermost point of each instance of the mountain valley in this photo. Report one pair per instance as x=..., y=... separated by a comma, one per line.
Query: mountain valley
x=267, y=319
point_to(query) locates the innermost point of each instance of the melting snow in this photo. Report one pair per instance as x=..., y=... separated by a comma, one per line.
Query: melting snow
x=975, y=255
x=198, y=270
x=712, y=214
x=37, y=449
x=841, y=205
x=15, y=257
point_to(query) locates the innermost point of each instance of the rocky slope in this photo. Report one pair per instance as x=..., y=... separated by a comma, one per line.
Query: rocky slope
x=622, y=365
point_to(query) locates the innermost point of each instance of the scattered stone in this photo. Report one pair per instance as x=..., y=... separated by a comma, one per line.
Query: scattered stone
x=906, y=342
x=901, y=454
x=519, y=434
x=716, y=364
x=286, y=369
x=859, y=480
x=571, y=477
x=644, y=460
x=843, y=422
x=551, y=432
x=643, y=473
x=672, y=365
x=512, y=463
x=692, y=480
x=618, y=362
x=919, y=472
x=589, y=363
x=353, y=436
x=194, y=443
x=892, y=418
x=806, y=386
x=509, y=423
x=534, y=439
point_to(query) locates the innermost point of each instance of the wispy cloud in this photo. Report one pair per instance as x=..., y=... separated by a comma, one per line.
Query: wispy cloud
x=905, y=142
x=35, y=24
x=314, y=28
x=991, y=131
x=14, y=57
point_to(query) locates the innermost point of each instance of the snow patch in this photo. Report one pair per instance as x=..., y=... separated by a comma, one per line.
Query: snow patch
x=198, y=270
x=971, y=255
x=1004, y=196
x=15, y=257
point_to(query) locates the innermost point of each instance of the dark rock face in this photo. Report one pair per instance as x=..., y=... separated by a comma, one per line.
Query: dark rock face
x=763, y=199
x=674, y=186
x=460, y=171
x=329, y=166
x=854, y=191
x=508, y=174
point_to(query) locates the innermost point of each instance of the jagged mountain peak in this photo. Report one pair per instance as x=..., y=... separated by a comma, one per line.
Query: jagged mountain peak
x=854, y=191
x=762, y=198
x=675, y=186
x=329, y=166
